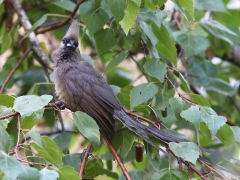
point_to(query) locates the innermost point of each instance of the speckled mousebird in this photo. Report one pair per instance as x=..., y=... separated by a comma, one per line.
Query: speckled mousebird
x=82, y=88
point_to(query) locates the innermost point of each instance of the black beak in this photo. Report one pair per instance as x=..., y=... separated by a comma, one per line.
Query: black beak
x=71, y=43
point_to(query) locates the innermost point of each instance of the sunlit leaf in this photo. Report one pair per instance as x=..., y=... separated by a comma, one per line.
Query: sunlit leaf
x=186, y=150
x=155, y=68
x=192, y=114
x=130, y=15
x=26, y=105
x=10, y=166
x=210, y=5
x=48, y=174
x=142, y=93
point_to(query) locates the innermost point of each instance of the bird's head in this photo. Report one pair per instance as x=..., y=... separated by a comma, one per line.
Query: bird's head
x=68, y=50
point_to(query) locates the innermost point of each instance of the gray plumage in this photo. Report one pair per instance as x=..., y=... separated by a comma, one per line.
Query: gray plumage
x=82, y=88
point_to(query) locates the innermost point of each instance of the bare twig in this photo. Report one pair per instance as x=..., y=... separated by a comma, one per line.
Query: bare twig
x=9, y=115
x=84, y=161
x=120, y=163
x=142, y=118
x=32, y=37
x=14, y=69
x=18, y=136
x=55, y=25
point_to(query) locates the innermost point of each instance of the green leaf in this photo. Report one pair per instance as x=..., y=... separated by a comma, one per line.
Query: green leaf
x=226, y=135
x=117, y=8
x=48, y=174
x=210, y=5
x=38, y=23
x=73, y=160
x=186, y=150
x=116, y=60
x=26, y=105
x=148, y=16
x=186, y=7
x=63, y=141
x=192, y=44
x=27, y=122
x=123, y=141
x=67, y=173
x=155, y=68
x=67, y=5
x=184, y=83
x=178, y=105
x=7, y=39
x=93, y=168
x=4, y=139
x=49, y=150
x=142, y=93
x=208, y=111
x=93, y=17
x=162, y=100
x=130, y=15
x=36, y=137
x=200, y=100
x=193, y=115
x=219, y=30
x=236, y=132
x=9, y=166
x=124, y=95
x=6, y=100
x=5, y=111
x=28, y=173
x=134, y=175
x=218, y=85
x=213, y=122
x=165, y=45
x=105, y=40
x=171, y=174
x=88, y=127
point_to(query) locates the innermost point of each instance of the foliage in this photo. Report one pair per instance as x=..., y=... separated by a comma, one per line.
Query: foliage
x=177, y=64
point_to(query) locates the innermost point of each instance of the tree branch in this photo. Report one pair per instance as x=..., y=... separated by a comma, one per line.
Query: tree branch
x=14, y=69
x=32, y=37
x=58, y=24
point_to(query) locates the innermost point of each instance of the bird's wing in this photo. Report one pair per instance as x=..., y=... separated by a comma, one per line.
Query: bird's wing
x=90, y=93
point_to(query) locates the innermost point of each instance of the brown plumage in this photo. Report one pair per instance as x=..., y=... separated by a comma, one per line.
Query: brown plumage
x=82, y=88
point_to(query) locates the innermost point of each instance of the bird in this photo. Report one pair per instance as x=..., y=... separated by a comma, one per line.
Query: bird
x=82, y=88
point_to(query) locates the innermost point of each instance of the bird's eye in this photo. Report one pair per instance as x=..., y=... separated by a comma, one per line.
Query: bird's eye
x=64, y=41
x=76, y=44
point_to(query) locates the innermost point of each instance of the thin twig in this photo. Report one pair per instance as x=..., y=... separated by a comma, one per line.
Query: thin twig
x=55, y=25
x=212, y=169
x=120, y=163
x=18, y=136
x=9, y=115
x=14, y=69
x=84, y=162
x=142, y=118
